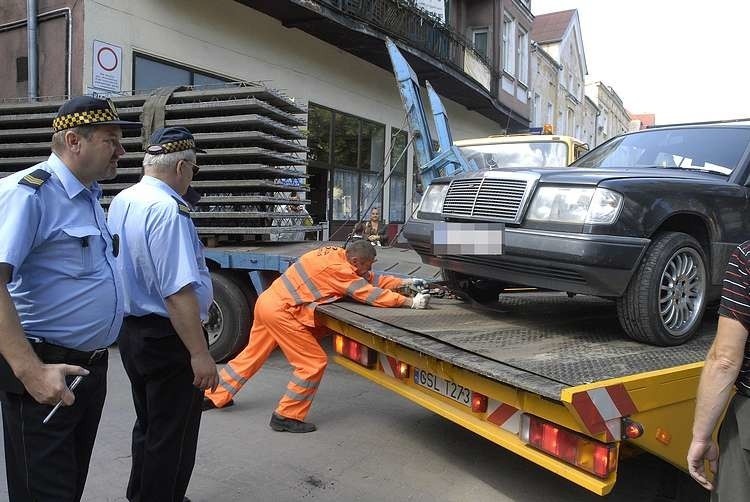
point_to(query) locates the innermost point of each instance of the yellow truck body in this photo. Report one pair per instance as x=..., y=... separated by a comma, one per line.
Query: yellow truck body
x=533, y=365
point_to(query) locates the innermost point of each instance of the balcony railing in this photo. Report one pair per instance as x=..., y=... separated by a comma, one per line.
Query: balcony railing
x=402, y=20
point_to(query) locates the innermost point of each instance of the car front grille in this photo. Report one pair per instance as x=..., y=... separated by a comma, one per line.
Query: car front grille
x=487, y=198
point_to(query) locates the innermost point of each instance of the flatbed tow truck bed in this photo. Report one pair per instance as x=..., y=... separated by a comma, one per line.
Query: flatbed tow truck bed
x=562, y=360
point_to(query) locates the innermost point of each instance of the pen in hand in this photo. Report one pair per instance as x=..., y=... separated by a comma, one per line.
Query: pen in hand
x=73, y=385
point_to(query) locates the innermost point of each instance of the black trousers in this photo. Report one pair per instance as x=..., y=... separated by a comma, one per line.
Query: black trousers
x=167, y=407
x=49, y=462
x=733, y=478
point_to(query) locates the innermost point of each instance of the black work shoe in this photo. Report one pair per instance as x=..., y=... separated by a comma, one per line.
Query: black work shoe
x=209, y=405
x=281, y=424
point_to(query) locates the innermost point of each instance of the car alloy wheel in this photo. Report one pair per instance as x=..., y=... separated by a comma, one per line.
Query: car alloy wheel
x=682, y=291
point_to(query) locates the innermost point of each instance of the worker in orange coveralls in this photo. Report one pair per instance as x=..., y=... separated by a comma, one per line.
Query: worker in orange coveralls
x=284, y=316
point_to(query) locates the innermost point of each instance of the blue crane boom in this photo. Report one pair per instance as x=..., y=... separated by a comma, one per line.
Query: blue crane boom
x=447, y=160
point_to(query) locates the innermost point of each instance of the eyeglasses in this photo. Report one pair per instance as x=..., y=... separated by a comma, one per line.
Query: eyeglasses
x=196, y=167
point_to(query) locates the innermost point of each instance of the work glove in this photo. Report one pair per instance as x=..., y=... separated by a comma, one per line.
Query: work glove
x=416, y=284
x=420, y=301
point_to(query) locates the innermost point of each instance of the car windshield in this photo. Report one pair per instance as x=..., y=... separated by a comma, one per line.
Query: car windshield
x=713, y=149
x=503, y=155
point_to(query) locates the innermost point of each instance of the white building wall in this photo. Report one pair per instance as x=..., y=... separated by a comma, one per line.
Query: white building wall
x=227, y=38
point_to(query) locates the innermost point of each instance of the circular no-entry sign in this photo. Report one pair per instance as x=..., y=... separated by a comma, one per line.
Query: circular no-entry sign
x=106, y=58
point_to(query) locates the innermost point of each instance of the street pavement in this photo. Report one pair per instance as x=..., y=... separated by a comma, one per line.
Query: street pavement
x=371, y=445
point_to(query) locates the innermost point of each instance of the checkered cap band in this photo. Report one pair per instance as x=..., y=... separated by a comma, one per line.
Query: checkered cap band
x=174, y=146
x=83, y=118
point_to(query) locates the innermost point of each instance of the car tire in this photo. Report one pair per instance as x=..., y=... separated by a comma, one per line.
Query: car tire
x=666, y=298
x=479, y=290
x=230, y=315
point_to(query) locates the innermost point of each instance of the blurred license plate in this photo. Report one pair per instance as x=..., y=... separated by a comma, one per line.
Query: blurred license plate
x=467, y=238
x=449, y=389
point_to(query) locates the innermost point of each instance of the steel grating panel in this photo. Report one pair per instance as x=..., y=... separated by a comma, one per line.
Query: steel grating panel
x=255, y=153
x=540, y=342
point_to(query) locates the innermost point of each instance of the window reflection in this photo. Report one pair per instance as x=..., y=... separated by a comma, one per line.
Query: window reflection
x=372, y=146
x=397, y=184
x=345, y=189
x=345, y=136
x=150, y=73
x=319, y=134
x=354, y=149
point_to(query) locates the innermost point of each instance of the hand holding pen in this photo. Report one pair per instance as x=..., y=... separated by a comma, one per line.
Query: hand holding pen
x=73, y=385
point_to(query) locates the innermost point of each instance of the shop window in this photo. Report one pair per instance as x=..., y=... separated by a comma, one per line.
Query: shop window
x=397, y=181
x=354, y=149
x=319, y=122
x=345, y=140
x=150, y=73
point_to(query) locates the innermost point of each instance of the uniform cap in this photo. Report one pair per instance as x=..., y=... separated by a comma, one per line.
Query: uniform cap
x=170, y=140
x=86, y=110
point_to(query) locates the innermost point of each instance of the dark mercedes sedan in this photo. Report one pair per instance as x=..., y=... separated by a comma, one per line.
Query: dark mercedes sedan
x=648, y=219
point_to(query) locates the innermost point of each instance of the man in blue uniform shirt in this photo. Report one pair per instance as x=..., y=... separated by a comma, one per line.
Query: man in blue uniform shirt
x=167, y=294
x=61, y=302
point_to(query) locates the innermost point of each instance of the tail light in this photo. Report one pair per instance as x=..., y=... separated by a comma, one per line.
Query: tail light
x=600, y=459
x=355, y=351
x=403, y=370
x=632, y=430
x=478, y=402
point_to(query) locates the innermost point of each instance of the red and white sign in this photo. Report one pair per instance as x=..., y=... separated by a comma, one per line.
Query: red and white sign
x=389, y=364
x=601, y=409
x=107, y=67
x=504, y=415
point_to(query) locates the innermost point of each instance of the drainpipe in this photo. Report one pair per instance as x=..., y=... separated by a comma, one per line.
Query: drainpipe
x=32, y=50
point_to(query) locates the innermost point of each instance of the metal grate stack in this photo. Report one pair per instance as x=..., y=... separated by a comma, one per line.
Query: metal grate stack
x=252, y=176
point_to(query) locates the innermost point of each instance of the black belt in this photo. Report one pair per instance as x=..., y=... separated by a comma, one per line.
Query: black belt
x=55, y=354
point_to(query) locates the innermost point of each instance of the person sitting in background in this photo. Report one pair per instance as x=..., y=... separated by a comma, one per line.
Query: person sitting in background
x=375, y=229
x=358, y=233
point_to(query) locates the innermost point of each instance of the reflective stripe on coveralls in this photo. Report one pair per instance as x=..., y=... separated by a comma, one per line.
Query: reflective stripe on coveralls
x=285, y=317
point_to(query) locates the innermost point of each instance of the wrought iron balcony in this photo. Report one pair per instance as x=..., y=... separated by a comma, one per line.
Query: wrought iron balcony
x=436, y=51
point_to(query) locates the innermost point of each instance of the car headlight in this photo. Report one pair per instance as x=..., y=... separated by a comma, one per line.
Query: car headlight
x=432, y=200
x=575, y=205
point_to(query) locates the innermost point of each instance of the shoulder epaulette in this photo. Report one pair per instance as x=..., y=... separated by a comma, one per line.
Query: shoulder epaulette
x=35, y=179
x=182, y=208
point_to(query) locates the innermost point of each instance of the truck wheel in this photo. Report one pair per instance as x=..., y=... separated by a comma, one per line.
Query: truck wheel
x=666, y=298
x=230, y=315
x=480, y=290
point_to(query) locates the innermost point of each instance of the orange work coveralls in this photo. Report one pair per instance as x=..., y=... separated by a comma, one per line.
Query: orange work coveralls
x=284, y=316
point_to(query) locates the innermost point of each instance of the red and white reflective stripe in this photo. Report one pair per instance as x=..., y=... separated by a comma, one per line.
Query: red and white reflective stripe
x=504, y=415
x=389, y=365
x=601, y=409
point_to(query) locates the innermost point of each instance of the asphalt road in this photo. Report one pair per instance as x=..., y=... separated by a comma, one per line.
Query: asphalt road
x=371, y=445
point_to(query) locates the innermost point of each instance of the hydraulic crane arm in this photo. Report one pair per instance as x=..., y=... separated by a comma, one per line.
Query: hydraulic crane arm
x=448, y=160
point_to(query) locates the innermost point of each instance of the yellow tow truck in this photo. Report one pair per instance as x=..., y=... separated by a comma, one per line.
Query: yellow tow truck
x=546, y=376
x=541, y=148
x=549, y=376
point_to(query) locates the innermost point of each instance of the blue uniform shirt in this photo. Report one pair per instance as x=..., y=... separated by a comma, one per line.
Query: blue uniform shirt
x=160, y=252
x=65, y=285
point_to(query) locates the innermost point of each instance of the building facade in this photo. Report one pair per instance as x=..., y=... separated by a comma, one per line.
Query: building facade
x=557, y=44
x=499, y=31
x=319, y=52
x=613, y=117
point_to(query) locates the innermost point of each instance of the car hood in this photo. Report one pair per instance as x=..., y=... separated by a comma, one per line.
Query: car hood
x=591, y=176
